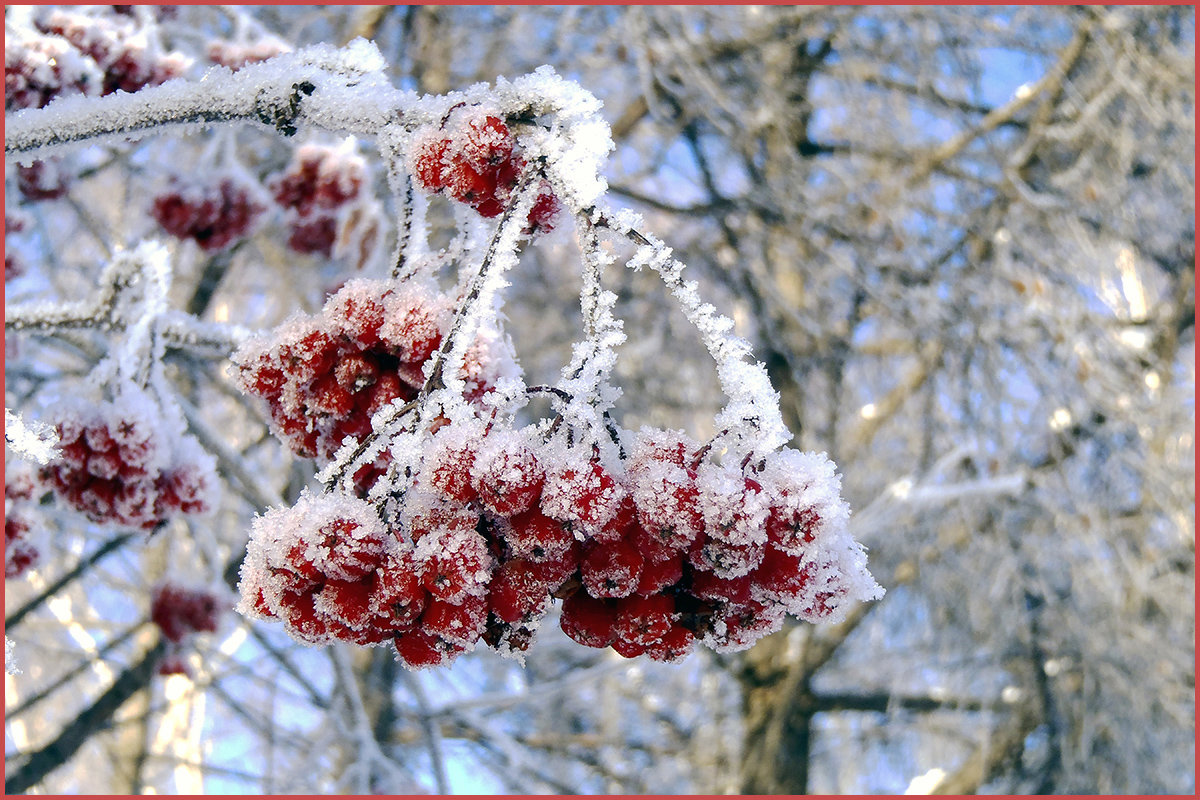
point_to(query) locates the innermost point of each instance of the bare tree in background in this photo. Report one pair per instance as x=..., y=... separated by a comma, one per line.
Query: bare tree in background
x=962, y=240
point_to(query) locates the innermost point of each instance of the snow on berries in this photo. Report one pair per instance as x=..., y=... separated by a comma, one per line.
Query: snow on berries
x=474, y=158
x=497, y=523
x=121, y=463
x=323, y=376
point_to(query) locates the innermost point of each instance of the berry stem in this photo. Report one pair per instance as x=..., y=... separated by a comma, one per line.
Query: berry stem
x=466, y=310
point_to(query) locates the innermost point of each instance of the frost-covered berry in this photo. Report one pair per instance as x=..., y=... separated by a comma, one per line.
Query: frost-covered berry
x=519, y=590
x=738, y=626
x=418, y=649
x=460, y=623
x=117, y=47
x=658, y=575
x=459, y=564
x=533, y=535
x=507, y=475
x=21, y=518
x=347, y=601
x=672, y=647
x=398, y=595
x=644, y=620
x=428, y=161
x=448, y=463
x=39, y=68
x=19, y=553
x=585, y=496
x=318, y=182
x=313, y=235
x=611, y=570
x=544, y=213
x=474, y=158
x=664, y=489
x=589, y=621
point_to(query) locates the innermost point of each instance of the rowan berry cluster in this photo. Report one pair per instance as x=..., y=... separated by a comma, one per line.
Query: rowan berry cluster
x=42, y=180
x=649, y=555
x=475, y=159
x=14, y=222
x=323, y=376
x=39, y=68
x=20, y=519
x=118, y=463
x=123, y=53
x=318, y=183
x=180, y=612
x=213, y=214
x=82, y=53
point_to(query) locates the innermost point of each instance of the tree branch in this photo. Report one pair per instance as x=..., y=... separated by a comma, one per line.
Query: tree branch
x=87, y=724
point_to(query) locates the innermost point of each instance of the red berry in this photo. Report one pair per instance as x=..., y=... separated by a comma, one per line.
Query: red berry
x=302, y=619
x=459, y=623
x=417, y=649
x=179, y=611
x=644, y=620
x=347, y=602
x=507, y=476
x=315, y=235
x=448, y=467
x=792, y=529
x=533, y=535
x=342, y=549
x=674, y=646
x=173, y=664
x=518, y=591
x=429, y=162
x=658, y=575
x=486, y=142
x=542, y=214
x=583, y=495
x=589, y=621
x=739, y=626
x=398, y=596
x=459, y=564
x=611, y=570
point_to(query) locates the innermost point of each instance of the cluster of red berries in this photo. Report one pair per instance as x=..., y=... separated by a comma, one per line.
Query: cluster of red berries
x=324, y=376
x=128, y=62
x=214, y=215
x=14, y=222
x=39, y=68
x=474, y=158
x=42, y=180
x=672, y=550
x=180, y=613
x=117, y=464
x=314, y=187
x=20, y=486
